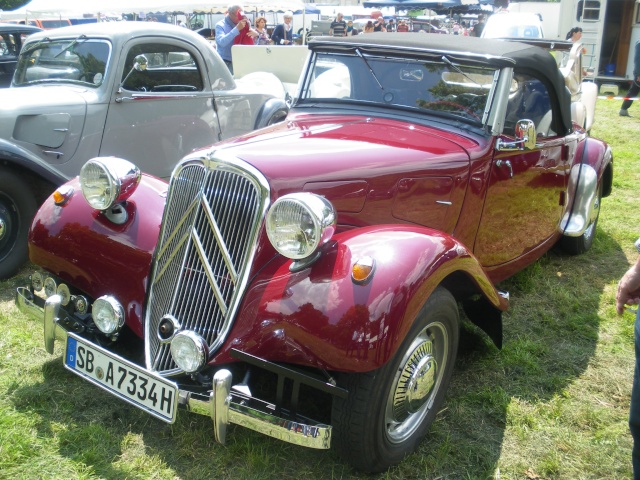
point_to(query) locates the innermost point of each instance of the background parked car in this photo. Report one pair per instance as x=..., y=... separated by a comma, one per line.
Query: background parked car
x=49, y=23
x=513, y=25
x=12, y=37
x=135, y=89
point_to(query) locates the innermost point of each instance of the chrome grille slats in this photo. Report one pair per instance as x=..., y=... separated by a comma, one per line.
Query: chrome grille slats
x=177, y=224
x=214, y=211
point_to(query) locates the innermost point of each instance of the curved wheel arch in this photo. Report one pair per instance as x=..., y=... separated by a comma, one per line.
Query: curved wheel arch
x=388, y=411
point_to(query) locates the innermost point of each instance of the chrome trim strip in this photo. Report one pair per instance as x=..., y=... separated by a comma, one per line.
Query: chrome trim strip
x=218, y=405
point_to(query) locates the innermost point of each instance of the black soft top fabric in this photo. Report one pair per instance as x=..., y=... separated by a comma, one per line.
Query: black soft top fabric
x=492, y=52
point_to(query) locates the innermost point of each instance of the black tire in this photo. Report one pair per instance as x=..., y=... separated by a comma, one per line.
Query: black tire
x=277, y=117
x=17, y=208
x=583, y=243
x=388, y=412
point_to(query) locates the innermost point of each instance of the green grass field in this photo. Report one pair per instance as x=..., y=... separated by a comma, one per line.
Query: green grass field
x=552, y=404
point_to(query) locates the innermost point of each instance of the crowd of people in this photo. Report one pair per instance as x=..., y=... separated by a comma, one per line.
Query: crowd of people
x=340, y=27
x=236, y=29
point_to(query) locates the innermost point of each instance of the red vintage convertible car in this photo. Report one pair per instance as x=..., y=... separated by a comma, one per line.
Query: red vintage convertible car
x=304, y=280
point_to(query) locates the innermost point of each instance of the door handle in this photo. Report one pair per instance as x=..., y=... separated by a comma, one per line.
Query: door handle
x=507, y=163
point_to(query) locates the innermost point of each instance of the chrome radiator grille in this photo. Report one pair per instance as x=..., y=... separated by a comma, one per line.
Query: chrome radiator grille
x=209, y=229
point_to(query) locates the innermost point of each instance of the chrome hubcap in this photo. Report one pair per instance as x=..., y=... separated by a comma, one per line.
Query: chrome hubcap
x=416, y=382
x=3, y=228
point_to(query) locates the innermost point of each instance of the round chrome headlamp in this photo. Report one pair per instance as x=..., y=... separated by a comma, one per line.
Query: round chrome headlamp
x=299, y=223
x=108, y=314
x=189, y=350
x=106, y=181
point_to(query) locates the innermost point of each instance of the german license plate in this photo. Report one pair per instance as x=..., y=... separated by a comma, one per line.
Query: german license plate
x=124, y=379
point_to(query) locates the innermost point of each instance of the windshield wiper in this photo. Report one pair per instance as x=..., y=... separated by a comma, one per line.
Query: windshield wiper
x=370, y=69
x=71, y=45
x=31, y=48
x=448, y=62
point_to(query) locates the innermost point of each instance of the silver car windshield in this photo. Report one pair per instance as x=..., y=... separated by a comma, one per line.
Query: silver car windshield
x=76, y=60
x=440, y=87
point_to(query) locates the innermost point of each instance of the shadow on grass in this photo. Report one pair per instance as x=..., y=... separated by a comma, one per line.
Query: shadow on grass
x=550, y=333
x=114, y=440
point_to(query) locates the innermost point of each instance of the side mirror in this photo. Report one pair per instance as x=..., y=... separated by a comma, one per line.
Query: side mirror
x=525, y=133
x=140, y=64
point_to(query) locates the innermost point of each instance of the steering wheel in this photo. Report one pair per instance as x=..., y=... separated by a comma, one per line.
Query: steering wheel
x=455, y=105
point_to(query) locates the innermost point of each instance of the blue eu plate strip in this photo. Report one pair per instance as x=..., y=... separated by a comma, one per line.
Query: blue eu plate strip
x=71, y=352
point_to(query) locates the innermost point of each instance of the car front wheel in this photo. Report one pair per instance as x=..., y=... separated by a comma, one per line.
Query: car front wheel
x=17, y=208
x=388, y=412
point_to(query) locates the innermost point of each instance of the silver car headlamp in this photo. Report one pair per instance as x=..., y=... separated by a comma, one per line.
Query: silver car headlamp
x=189, y=350
x=106, y=181
x=299, y=223
x=108, y=314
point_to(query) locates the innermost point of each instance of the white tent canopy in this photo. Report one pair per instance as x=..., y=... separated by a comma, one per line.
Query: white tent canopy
x=79, y=8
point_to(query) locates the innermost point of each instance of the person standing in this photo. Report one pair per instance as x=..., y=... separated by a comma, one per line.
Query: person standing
x=379, y=26
x=263, y=35
x=283, y=33
x=338, y=27
x=629, y=294
x=227, y=30
x=402, y=26
x=350, y=30
x=635, y=84
x=479, y=27
x=574, y=35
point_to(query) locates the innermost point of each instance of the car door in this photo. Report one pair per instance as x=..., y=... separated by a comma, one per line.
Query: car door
x=162, y=110
x=526, y=192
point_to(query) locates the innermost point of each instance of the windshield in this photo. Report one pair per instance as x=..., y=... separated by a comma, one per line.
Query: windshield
x=442, y=88
x=71, y=60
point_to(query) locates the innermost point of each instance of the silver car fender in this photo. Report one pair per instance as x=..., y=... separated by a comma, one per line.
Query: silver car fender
x=583, y=180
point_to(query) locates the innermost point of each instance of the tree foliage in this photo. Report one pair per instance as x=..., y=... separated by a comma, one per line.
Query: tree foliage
x=12, y=4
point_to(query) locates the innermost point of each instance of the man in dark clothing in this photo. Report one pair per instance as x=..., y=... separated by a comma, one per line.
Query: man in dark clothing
x=379, y=25
x=635, y=85
x=477, y=29
x=629, y=294
x=338, y=27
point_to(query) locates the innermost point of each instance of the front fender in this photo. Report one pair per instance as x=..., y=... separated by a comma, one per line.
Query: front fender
x=594, y=167
x=83, y=248
x=269, y=109
x=14, y=155
x=320, y=317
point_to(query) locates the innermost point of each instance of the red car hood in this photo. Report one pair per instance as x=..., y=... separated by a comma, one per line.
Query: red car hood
x=339, y=147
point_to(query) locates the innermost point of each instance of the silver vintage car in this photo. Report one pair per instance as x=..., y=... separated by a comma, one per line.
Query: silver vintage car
x=140, y=90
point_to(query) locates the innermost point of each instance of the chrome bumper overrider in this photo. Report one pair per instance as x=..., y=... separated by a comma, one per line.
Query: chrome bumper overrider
x=219, y=405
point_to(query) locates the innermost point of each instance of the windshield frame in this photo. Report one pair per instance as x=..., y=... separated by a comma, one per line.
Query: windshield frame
x=370, y=60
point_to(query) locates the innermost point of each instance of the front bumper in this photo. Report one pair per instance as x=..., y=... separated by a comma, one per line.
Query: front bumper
x=219, y=405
